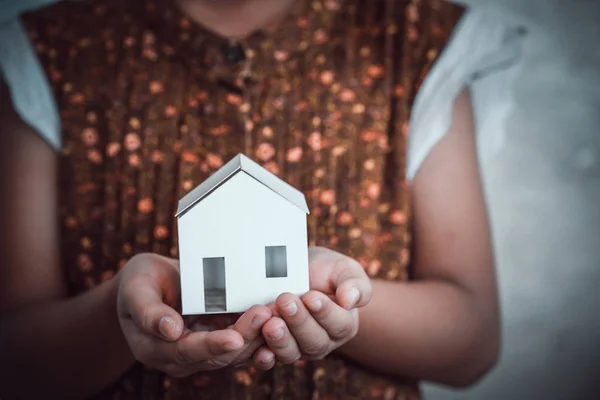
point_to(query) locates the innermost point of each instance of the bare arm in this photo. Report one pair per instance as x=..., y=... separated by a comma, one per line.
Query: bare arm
x=444, y=325
x=49, y=345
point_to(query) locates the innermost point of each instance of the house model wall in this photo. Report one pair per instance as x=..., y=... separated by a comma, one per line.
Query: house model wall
x=242, y=240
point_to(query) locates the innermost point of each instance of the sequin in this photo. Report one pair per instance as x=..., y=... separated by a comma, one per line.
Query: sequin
x=161, y=232
x=145, y=206
x=272, y=167
x=112, y=149
x=84, y=262
x=327, y=197
x=370, y=135
x=281, y=55
x=89, y=136
x=214, y=160
x=320, y=36
x=314, y=141
x=157, y=156
x=134, y=160
x=265, y=151
x=337, y=151
x=234, y=99
x=358, y=108
x=156, y=87
x=95, y=156
x=267, y=132
x=190, y=157
x=344, y=218
x=294, y=154
x=70, y=222
x=347, y=95
x=170, y=111
x=375, y=71
x=77, y=98
x=374, y=190
x=398, y=217
x=132, y=141
x=374, y=267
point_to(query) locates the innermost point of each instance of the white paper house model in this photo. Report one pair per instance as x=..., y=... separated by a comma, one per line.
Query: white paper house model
x=242, y=240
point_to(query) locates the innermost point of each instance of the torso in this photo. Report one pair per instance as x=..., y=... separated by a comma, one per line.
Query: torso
x=151, y=106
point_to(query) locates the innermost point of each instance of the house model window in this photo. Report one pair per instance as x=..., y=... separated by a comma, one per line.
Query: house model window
x=242, y=237
x=276, y=261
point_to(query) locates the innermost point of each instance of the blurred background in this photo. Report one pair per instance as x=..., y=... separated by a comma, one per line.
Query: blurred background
x=543, y=188
x=538, y=127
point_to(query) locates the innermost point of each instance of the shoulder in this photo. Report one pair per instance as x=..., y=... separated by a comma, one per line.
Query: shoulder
x=483, y=44
x=21, y=66
x=26, y=82
x=34, y=46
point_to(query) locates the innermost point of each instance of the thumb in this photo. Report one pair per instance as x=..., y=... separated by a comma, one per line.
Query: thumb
x=170, y=325
x=353, y=287
x=145, y=307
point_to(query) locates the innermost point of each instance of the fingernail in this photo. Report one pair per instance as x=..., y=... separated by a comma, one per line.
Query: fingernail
x=267, y=358
x=233, y=345
x=278, y=334
x=258, y=321
x=315, y=305
x=289, y=308
x=353, y=295
x=166, y=326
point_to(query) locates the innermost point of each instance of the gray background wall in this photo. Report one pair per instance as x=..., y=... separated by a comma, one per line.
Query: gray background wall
x=543, y=188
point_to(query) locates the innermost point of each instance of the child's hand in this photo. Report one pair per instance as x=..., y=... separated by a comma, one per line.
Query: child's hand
x=148, y=294
x=314, y=326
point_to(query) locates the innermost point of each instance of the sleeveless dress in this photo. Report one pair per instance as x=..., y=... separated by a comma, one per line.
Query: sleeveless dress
x=151, y=104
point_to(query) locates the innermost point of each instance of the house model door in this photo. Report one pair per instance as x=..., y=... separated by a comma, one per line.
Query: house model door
x=215, y=292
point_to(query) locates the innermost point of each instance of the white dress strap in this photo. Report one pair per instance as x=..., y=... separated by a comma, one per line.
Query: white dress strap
x=31, y=94
x=482, y=44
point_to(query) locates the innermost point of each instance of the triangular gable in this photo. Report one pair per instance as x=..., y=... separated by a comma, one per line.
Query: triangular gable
x=253, y=169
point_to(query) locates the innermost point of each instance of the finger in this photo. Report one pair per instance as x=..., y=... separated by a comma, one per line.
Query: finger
x=339, y=323
x=352, y=285
x=250, y=323
x=249, y=326
x=242, y=357
x=280, y=341
x=311, y=338
x=196, y=347
x=144, y=305
x=273, y=308
x=264, y=358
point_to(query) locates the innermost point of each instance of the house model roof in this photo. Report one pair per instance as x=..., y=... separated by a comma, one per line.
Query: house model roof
x=241, y=163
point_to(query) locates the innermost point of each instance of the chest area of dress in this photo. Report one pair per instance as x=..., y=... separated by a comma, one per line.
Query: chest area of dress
x=312, y=122
x=137, y=141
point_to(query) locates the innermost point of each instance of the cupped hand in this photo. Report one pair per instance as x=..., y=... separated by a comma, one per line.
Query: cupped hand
x=147, y=300
x=322, y=320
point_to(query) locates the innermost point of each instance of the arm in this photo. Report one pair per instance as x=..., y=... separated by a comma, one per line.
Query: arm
x=444, y=325
x=58, y=347
x=49, y=345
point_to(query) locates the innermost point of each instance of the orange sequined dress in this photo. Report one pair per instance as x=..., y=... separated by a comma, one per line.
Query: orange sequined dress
x=151, y=104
